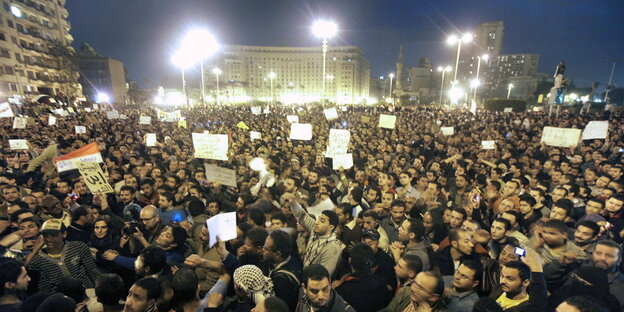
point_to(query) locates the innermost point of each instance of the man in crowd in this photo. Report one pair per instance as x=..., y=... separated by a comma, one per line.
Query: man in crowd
x=317, y=294
x=463, y=285
x=13, y=284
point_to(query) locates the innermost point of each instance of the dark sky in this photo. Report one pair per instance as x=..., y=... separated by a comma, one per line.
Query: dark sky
x=144, y=33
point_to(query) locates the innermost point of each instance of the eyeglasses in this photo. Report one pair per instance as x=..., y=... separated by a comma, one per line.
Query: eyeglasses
x=147, y=219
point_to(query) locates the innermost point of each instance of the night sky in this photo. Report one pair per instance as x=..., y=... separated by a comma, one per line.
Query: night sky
x=144, y=33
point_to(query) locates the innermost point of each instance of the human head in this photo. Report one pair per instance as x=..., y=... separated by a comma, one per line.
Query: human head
x=185, y=285
x=508, y=252
x=254, y=240
x=467, y=276
x=143, y=295
x=515, y=277
x=614, y=204
x=579, y=304
x=54, y=233
x=458, y=216
x=13, y=277
x=109, y=289
x=102, y=227
x=126, y=194
x=461, y=240
x=408, y=267
x=172, y=238
x=554, y=233
x=411, y=229
x=150, y=217
x=594, y=206
x=316, y=285
x=397, y=211
x=562, y=209
x=500, y=229
x=277, y=247
x=607, y=255
x=586, y=232
x=428, y=287
x=151, y=260
x=361, y=258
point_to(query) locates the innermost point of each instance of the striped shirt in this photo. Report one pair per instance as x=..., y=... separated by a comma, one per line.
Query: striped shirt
x=76, y=261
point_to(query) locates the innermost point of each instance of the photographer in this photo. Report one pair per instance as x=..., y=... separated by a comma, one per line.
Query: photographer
x=139, y=239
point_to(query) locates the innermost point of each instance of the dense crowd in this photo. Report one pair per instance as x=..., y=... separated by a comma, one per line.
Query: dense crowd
x=421, y=222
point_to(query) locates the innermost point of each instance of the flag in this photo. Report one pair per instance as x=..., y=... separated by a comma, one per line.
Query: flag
x=87, y=153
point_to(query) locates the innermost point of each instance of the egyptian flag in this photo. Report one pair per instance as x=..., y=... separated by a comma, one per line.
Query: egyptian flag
x=87, y=153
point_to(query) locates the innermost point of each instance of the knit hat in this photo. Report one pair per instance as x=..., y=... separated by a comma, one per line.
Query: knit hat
x=249, y=278
x=371, y=233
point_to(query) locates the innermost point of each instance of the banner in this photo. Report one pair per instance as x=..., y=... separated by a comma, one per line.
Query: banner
x=87, y=153
x=5, y=110
x=150, y=139
x=210, y=146
x=488, y=145
x=222, y=175
x=387, y=121
x=94, y=177
x=596, y=130
x=300, y=131
x=561, y=137
x=255, y=135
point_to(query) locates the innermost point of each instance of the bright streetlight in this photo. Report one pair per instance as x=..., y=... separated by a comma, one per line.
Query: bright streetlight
x=455, y=94
x=390, y=91
x=102, y=98
x=16, y=11
x=509, y=87
x=199, y=44
x=453, y=39
x=217, y=72
x=484, y=57
x=324, y=30
x=272, y=76
x=443, y=70
x=182, y=61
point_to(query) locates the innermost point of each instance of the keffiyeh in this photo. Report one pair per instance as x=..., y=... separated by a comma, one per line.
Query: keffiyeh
x=249, y=278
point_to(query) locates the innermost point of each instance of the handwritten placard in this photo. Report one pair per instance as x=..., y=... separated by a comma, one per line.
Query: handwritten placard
x=19, y=122
x=331, y=113
x=561, y=137
x=488, y=145
x=80, y=129
x=222, y=225
x=300, y=131
x=318, y=209
x=112, y=114
x=447, y=130
x=345, y=161
x=94, y=177
x=508, y=109
x=5, y=110
x=150, y=139
x=254, y=135
x=292, y=118
x=145, y=120
x=597, y=129
x=210, y=146
x=338, y=142
x=256, y=110
x=51, y=120
x=387, y=121
x=222, y=175
x=18, y=144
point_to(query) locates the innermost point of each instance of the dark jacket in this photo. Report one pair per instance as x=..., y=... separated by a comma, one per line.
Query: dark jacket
x=335, y=304
x=538, y=297
x=365, y=292
x=78, y=233
x=443, y=262
x=286, y=281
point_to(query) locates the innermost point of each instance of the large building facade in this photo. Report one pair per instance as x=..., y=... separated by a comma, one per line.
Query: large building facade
x=488, y=39
x=35, y=50
x=100, y=74
x=504, y=68
x=297, y=74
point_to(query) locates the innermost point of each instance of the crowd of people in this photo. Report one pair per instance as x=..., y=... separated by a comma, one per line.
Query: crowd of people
x=421, y=222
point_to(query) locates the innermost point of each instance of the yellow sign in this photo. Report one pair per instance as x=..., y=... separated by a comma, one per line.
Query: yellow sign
x=94, y=177
x=242, y=125
x=540, y=99
x=182, y=124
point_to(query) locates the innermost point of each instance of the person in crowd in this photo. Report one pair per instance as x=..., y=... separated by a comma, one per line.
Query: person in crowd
x=143, y=296
x=317, y=294
x=110, y=290
x=391, y=225
x=425, y=293
x=411, y=237
x=463, y=284
x=285, y=270
x=13, y=284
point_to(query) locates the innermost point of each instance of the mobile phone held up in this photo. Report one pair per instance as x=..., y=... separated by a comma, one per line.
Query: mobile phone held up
x=520, y=252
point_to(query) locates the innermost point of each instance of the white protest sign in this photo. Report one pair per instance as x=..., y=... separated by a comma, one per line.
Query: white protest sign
x=266, y=111
x=123, y=117
x=300, y=131
x=112, y=114
x=224, y=176
x=338, y=142
x=488, y=144
x=150, y=139
x=447, y=130
x=19, y=122
x=95, y=106
x=317, y=210
x=145, y=120
x=343, y=108
x=87, y=109
x=254, y=135
x=71, y=110
x=596, y=130
x=80, y=129
x=345, y=161
x=256, y=110
x=561, y=137
x=331, y=113
x=223, y=226
x=387, y=121
x=51, y=120
x=18, y=144
x=5, y=110
x=292, y=118
x=210, y=146
x=507, y=109
x=94, y=177
x=63, y=113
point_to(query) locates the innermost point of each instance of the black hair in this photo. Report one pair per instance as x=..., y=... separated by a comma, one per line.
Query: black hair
x=256, y=216
x=399, y=203
x=517, y=215
x=315, y=272
x=361, y=257
x=169, y=196
x=146, y=181
x=73, y=288
x=413, y=262
x=417, y=227
x=152, y=285
x=282, y=243
x=556, y=224
x=523, y=270
x=332, y=216
x=503, y=221
x=196, y=207
x=486, y=304
x=475, y=266
x=371, y=214
x=565, y=204
x=257, y=236
x=109, y=289
x=279, y=216
x=528, y=199
x=80, y=211
x=591, y=225
x=275, y=304
x=463, y=212
x=127, y=188
x=10, y=270
x=184, y=285
x=584, y=304
x=154, y=258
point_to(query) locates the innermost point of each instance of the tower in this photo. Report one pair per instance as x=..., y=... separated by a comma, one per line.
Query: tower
x=399, y=73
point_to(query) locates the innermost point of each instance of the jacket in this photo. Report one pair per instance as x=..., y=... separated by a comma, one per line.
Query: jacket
x=335, y=304
x=286, y=278
x=538, y=297
x=402, y=299
x=365, y=292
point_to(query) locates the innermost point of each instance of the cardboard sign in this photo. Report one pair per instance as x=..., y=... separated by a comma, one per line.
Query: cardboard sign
x=150, y=139
x=182, y=124
x=71, y=110
x=387, y=121
x=63, y=113
x=94, y=177
x=96, y=107
x=210, y=146
x=345, y=161
x=223, y=226
x=561, y=137
x=80, y=129
x=300, y=131
x=19, y=122
x=5, y=110
x=266, y=111
x=331, y=113
x=343, y=108
x=51, y=120
x=317, y=210
x=488, y=145
x=365, y=119
x=596, y=130
x=145, y=120
x=508, y=110
x=18, y=144
x=292, y=118
x=112, y=114
x=338, y=142
x=447, y=130
x=256, y=110
x=255, y=135
x=242, y=125
x=224, y=176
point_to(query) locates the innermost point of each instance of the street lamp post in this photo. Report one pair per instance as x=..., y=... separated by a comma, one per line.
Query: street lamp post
x=610, y=79
x=484, y=57
x=443, y=70
x=272, y=75
x=509, y=87
x=465, y=38
x=217, y=72
x=390, y=91
x=182, y=61
x=324, y=30
x=198, y=45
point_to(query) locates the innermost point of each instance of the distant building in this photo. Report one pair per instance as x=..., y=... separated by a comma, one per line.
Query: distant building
x=422, y=82
x=298, y=71
x=505, y=67
x=35, y=50
x=488, y=39
x=100, y=74
x=527, y=87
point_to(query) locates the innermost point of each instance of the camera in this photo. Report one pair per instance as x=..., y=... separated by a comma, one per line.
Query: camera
x=74, y=196
x=130, y=228
x=520, y=252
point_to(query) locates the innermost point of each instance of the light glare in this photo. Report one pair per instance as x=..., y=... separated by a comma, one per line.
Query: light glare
x=324, y=29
